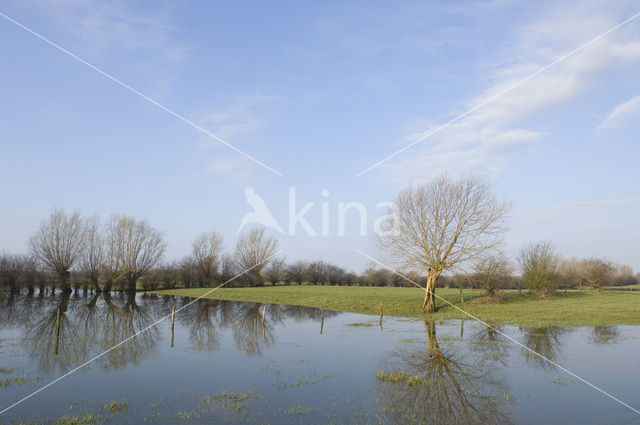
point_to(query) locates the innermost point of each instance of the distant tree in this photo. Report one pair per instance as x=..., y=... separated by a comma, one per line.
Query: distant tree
x=539, y=266
x=492, y=272
x=92, y=259
x=133, y=249
x=228, y=268
x=59, y=243
x=444, y=224
x=32, y=273
x=297, y=272
x=571, y=272
x=206, y=250
x=114, y=255
x=597, y=272
x=275, y=271
x=253, y=251
x=11, y=271
x=623, y=275
x=377, y=276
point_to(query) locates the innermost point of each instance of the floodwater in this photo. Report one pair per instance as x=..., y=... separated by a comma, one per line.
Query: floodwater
x=225, y=363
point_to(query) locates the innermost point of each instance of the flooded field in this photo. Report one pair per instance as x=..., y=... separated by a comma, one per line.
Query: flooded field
x=233, y=362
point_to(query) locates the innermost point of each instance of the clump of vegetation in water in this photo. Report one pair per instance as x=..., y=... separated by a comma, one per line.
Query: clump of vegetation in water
x=399, y=377
x=366, y=325
x=560, y=381
x=186, y=416
x=298, y=410
x=15, y=380
x=6, y=369
x=115, y=406
x=79, y=420
x=233, y=401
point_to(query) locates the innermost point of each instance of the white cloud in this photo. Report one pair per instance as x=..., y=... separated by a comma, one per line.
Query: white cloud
x=620, y=114
x=246, y=115
x=237, y=166
x=571, y=210
x=482, y=139
x=115, y=27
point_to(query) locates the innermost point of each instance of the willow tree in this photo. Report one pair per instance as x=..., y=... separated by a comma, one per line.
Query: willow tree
x=253, y=251
x=59, y=243
x=442, y=225
x=206, y=250
x=92, y=259
x=133, y=248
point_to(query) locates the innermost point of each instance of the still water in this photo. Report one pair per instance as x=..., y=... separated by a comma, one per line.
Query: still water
x=225, y=363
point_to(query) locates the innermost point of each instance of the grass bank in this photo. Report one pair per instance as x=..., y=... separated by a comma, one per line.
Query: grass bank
x=572, y=308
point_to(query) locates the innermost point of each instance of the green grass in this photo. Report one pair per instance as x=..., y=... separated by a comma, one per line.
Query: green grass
x=571, y=308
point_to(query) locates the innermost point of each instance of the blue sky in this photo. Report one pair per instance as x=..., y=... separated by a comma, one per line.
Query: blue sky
x=320, y=92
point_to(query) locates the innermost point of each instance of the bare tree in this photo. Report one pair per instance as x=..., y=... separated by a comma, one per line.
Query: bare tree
x=115, y=236
x=443, y=224
x=253, y=250
x=275, y=271
x=59, y=243
x=539, y=265
x=597, y=272
x=297, y=272
x=491, y=272
x=571, y=272
x=92, y=259
x=206, y=251
x=133, y=248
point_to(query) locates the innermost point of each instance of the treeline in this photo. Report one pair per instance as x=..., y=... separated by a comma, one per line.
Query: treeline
x=71, y=252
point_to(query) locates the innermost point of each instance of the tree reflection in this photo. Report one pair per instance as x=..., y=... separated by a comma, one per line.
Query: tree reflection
x=200, y=319
x=250, y=332
x=122, y=323
x=428, y=385
x=62, y=330
x=54, y=338
x=489, y=343
x=605, y=334
x=546, y=342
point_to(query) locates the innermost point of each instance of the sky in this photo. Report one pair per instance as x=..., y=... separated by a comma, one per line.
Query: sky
x=319, y=92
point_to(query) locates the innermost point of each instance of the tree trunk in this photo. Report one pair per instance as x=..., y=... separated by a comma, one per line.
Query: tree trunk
x=96, y=285
x=429, y=304
x=65, y=285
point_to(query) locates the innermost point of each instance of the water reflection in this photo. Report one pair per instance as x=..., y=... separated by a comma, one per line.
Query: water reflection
x=545, y=341
x=441, y=386
x=62, y=330
x=605, y=334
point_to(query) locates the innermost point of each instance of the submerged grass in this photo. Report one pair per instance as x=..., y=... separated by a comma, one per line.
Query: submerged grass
x=570, y=308
x=396, y=377
x=15, y=380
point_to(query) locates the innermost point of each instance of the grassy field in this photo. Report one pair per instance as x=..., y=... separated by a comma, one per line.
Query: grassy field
x=573, y=308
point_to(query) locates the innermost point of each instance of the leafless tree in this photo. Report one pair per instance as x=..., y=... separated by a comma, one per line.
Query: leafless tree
x=597, y=272
x=539, y=265
x=297, y=272
x=253, y=250
x=623, y=275
x=59, y=243
x=491, y=272
x=275, y=271
x=133, y=248
x=206, y=250
x=444, y=224
x=571, y=272
x=92, y=259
